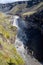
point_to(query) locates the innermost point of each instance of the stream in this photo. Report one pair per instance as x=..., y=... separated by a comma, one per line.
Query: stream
x=21, y=40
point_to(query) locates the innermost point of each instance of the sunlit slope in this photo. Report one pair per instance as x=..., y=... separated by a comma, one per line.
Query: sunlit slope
x=17, y=9
x=33, y=9
x=8, y=53
x=24, y=10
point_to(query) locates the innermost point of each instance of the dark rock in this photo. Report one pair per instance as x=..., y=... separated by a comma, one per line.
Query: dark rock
x=35, y=35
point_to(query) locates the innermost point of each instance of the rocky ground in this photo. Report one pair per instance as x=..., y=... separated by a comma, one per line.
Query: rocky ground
x=27, y=57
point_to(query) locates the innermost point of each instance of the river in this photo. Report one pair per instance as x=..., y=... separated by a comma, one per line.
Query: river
x=21, y=39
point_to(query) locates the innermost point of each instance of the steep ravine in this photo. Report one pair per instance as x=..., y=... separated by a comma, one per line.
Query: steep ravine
x=22, y=39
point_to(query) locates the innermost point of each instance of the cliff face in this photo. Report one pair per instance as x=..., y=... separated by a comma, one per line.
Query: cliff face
x=35, y=34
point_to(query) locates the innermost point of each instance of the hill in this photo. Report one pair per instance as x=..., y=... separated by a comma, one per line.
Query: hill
x=23, y=10
x=5, y=7
x=8, y=53
x=33, y=9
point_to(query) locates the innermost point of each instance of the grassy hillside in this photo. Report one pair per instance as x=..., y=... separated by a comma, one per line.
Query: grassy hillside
x=33, y=9
x=8, y=53
x=17, y=9
x=24, y=10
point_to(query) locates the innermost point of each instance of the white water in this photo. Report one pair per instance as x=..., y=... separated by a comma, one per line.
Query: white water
x=20, y=47
x=15, y=23
x=20, y=24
